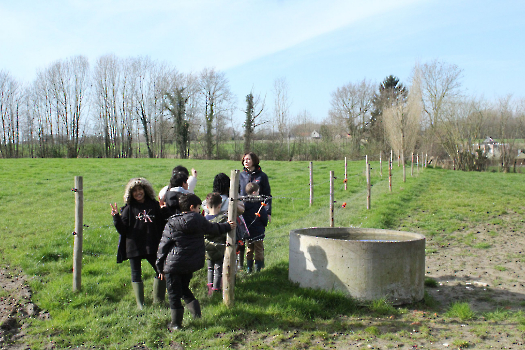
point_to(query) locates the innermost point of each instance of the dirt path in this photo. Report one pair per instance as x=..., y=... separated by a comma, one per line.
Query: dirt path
x=15, y=308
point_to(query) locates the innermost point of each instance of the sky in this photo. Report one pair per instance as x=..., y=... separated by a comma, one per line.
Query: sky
x=316, y=46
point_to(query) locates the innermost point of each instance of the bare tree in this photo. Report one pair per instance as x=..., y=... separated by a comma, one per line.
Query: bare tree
x=10, y=96
x=281, y=108
x=351, y=105
x=218, y=99
x=440, y=84
x=68, y=83
x=107, y=92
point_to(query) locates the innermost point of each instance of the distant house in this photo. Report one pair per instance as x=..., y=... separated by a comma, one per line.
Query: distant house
x=315, y=135
x=489, y=147
x=520, y=159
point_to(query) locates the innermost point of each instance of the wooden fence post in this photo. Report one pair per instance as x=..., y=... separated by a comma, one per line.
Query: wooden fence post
x=390, y=176
x=368, y=186
x=229, y=264
x=331, y=199
x=412, y=165
x=311, y=183
x=346, y=178
x=381, y=164
x=79, y=224
x=404, y=169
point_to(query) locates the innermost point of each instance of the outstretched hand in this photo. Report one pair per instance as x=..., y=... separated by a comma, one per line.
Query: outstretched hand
x=233, y=225
x=114, y=209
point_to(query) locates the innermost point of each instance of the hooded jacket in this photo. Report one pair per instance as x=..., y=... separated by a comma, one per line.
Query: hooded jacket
x=140, y=225
x=181, y=248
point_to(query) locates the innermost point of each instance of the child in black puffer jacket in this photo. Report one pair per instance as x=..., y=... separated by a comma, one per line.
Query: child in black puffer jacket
x=181, y=252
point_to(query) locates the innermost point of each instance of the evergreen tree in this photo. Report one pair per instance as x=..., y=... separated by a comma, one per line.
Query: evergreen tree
x=390, y=92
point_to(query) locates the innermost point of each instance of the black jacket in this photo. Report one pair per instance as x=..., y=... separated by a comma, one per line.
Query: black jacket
x=181, y=248
x=140, y=226
x=256, y=224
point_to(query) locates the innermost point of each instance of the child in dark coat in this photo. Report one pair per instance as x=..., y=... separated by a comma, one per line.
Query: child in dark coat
x=256, y=218
x=140, y=223
x=181, y=252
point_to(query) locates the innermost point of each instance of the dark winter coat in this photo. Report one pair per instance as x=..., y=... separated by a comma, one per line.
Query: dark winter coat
x=181, y=248
x=140, y=226
x=261, y=179
x=256, y=225
x=172, y=203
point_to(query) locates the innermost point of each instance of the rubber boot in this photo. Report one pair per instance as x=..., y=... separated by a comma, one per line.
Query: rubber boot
x=176, y=319
x=195, y=308
x=249, y=266
x=259, y=264
x=240, y=260
x=138, y=289
x=159, y=291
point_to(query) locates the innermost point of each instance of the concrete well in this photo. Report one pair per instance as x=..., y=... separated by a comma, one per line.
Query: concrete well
x=367, y=264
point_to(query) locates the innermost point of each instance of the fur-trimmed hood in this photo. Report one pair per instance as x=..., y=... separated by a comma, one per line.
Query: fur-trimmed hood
x=138, y=181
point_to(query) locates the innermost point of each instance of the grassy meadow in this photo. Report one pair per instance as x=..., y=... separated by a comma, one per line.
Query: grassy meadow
x=37, y=220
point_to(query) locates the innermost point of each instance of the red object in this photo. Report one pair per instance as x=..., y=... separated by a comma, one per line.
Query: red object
x=258, y=215
x=263, y=204
x=344, y=205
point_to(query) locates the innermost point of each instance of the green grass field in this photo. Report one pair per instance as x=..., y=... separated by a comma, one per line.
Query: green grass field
x=37, y=220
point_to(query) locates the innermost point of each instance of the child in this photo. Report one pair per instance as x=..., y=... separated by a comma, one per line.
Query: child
x=181, y=252
x=256, y=218
x=215, y=246
x=178, y=186
x=221, y=185
x=140, y=224
x=192, y=181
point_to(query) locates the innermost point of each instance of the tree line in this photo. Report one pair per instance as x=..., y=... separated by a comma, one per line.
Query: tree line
x=137, y=107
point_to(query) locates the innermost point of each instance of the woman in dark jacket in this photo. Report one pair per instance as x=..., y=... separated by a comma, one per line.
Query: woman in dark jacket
x=140, y=224
x=252, y=173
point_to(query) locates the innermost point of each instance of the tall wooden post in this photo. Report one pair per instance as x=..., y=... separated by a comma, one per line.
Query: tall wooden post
x=311, y=183
x=390, y=176
x=381, y=164
x=346, y=178
x=79, y=224
x=417, y=163
x=368, y=186
x=404, y=169
x=331, y=199
x=412, y=165
x=229, y=265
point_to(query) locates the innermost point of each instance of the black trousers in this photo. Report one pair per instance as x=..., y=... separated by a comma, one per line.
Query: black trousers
x=179, y=288
x=136, y=267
